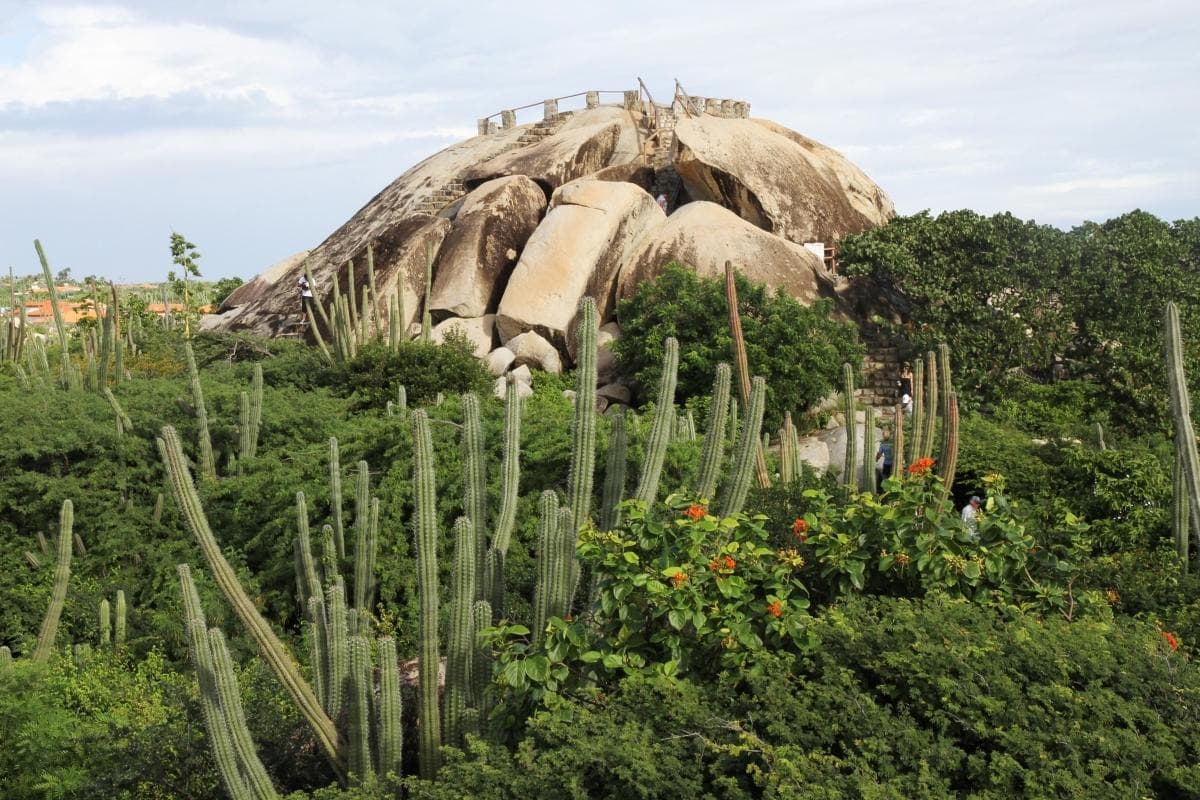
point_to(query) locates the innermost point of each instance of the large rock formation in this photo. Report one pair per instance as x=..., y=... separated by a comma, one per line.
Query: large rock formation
x=593, y=227
x=772, y=180
x=704, y=236
x=741, y=190
x=479, y=254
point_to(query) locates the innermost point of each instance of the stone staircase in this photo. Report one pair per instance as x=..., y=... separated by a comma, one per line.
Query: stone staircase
x=666, y=179
x=454, y=190
x=881, y=371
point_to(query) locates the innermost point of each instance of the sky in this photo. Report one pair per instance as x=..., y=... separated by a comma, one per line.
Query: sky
x=257, y=127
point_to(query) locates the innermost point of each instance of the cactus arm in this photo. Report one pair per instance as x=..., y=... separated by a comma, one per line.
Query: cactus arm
x=361, y=690
x=121, y=618
x=481, y=667
x=868, y=462
x=208, y=466
x=738, y=483
x=1185, y=434
x=583, y=426
x=235, y=719
x=362, y=530
x=510, y=469
x=70, y=377
x=460, y=648
x=549, y=555
x=949, y=458
x=62, y=577
x=849, y=468
x=269, y=645
x=714, y=436
x=931, y=404
x=918, y=405
x=660, y=429
x=256, y=402
x=614, y=473
x=335, y=497
x=475, y=484
x=426, y=521
x=105, y=622
x=390, y=739
x=898, y=464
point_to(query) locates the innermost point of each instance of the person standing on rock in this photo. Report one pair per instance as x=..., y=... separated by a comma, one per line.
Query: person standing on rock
x=306, y=296
x=906, y=387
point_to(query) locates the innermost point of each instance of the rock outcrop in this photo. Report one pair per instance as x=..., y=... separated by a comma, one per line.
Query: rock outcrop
x=704, y=236
x=592, y=228
x=479, y=253
x=769, y=179
x=509, y=267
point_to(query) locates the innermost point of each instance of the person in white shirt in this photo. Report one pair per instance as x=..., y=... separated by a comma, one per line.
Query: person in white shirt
x=969, y=512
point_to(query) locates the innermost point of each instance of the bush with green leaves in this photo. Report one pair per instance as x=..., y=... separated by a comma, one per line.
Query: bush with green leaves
x=371, y=378
x=798, y=350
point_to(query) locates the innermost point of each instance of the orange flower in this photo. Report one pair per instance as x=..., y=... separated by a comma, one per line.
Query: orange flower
x=730, y=563
x=695, y=512
x=775, y=609
x=920, y=466
x=800, y=529
x=1170, y=639
x=678, y=579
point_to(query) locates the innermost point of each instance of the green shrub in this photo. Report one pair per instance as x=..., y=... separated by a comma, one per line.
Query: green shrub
x=371, y=378
x=799, y=350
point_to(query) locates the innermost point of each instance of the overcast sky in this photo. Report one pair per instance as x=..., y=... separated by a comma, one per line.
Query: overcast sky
x=256, y=127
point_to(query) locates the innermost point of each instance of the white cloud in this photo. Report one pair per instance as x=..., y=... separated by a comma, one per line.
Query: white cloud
x=1093, y=184
x=109, y=53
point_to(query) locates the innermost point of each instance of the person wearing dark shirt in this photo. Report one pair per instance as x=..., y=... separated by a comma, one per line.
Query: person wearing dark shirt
x=906, y=388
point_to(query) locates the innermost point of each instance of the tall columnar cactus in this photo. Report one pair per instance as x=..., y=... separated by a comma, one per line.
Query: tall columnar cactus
x=394, y=322
x=898, y=462
x=361, y=690
x=714, y=436
x=235, y=718
x=364, y=579
x=62, y=577
x=944, y=377
x=475, y=484
x=510, y=468
x=271, y=648
x=118, y=342
x=492, y=578
x=583, y=425
x=931, y=404
x=70, y=375
x=243, y=426
x=426, y=524
x=550, y=573
x=308, y=579
x=785, y=456
x=460, y=650
x=660, y=429
x=738, y=483
x=868, y=462
x=427, y=298
x=338, y=655
x=948, y=462
x=390, y=739
x=481, y=666
x=918, y=405
x=105, y=347
x=256, y=403
x=1100, y=437
x=123, y=422
x=1180, y=508
x=743, y=365
x=1185, y=435
x=235, y=781
x=850, y=467
x=614, y=473
x=733, y=421
x=105, y=622
x=156, y=515
x=208, y=467
x=6, y=657
x=120, y=628
x=371, y=309
x=335, y=497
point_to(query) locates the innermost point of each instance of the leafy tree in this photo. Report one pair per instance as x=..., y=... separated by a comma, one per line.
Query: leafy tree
x=799, y=350
x=185, y=256
x=223, y=288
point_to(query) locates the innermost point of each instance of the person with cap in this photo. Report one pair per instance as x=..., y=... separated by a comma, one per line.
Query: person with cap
x=969, y=515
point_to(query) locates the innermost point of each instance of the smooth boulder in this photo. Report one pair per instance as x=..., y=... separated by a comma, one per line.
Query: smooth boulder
x=592, y=228
x=479, y=253
x=769, y=179
x=479, y=331
x=532, y=350
x=703, y=236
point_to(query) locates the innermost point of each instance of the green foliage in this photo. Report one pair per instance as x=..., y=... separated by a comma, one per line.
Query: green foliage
x=424, y=369
x=798, y=350
x=1008, y=294
x=222, y=288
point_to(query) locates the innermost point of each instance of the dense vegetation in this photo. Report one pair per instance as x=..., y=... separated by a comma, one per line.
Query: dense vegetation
x=705, y=638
